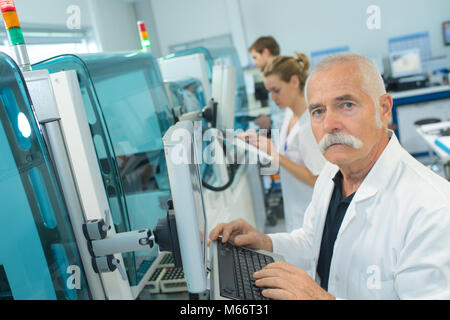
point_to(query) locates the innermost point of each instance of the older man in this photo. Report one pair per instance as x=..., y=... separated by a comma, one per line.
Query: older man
x=378, y=226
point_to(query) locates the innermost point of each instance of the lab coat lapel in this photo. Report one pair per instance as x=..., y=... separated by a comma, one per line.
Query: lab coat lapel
x=364, y=192
x=378, y=177
x=303, y=118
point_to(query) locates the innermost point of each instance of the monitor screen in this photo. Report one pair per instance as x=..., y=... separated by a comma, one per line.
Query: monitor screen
x=405, y=63
x=420, y=40
x=224, y=93
x=182, y=150
x=446, y=26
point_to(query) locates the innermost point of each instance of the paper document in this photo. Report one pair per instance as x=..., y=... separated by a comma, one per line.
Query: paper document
x=443, y=143
x=434, y=128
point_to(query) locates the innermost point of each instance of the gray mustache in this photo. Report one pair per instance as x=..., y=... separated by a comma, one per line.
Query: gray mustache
x=339, y=138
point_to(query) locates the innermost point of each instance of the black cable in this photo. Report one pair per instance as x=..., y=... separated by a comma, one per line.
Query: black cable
x=232, y=173
x=225, y=186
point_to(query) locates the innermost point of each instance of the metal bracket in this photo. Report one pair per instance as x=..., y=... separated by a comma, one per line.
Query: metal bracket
x=102, y=248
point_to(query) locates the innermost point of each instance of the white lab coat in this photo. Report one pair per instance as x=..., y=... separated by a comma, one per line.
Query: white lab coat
x=394, y=241
x=302, y=148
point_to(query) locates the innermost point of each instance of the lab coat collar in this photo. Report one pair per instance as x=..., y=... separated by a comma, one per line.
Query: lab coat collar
x=382, y=171
x=304, y=118
x=376, y=179
x=285, y=136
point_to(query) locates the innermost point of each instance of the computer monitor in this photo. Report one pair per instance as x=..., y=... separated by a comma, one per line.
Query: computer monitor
x=183, y=67
x=405, y=63
x=319, y=55
x=420, y=40
x=446, y=27
x=183, y=150
x=224, y=93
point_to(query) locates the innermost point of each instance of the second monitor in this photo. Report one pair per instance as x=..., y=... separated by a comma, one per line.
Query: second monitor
x=224, y=92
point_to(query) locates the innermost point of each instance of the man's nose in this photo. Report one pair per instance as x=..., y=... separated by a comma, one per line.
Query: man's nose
x=332, y=121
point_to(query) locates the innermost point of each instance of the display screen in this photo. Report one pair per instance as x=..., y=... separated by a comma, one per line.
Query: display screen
x=447, y=33
x=405, y=63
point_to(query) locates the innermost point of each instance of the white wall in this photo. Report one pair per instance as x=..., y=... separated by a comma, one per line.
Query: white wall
x=187, y=20
x=304, y=25
x=313, y=25
x=113, y=21
x=116, y=25
x=51, y=12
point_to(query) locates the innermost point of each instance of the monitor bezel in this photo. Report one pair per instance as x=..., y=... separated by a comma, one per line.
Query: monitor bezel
x=446, y=41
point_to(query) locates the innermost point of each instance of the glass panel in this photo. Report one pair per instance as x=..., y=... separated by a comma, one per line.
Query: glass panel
x=229, y=55
x=37, y=242
x=176, y=96
x=128, y=112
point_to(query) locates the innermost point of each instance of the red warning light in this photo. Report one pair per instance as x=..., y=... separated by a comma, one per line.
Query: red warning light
x=142, y=26
x=7, y=5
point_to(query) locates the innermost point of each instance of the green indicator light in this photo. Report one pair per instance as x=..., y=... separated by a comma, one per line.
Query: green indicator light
x=16, y=36
x=146, y=43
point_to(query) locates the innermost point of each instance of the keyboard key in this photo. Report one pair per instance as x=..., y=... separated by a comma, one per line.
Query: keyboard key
x=236, y=268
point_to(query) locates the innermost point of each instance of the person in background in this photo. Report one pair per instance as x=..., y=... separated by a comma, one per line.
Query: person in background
x=378, y=223
x=264, y=50
x=299, y=155
x=190, y=99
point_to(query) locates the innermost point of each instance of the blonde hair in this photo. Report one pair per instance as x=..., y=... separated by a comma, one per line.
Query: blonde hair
x=286, y=67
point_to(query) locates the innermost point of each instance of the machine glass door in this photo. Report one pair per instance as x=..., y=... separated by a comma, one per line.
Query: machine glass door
x=127, y=108
x=39, y=259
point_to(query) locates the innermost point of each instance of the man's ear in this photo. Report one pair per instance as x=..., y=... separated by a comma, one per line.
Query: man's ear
x=386, y=104
x=266, y=52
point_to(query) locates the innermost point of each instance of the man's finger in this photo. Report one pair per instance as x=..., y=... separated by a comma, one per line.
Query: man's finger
x=270, y=282
x=216, y=232
x=282, y=265
x=228, y=230
x=273, y=272
x=244, y=240
x=277, y=294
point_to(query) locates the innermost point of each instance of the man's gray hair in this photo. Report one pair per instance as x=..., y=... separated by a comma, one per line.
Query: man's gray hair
x=373, y=83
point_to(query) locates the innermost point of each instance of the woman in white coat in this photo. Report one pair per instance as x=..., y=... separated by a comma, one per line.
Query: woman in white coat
x=299, y=155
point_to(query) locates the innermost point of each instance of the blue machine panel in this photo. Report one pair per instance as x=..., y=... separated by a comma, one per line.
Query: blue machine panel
x=37, y=244
x=128, y=112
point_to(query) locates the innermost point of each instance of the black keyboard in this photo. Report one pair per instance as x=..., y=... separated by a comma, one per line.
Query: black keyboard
x=236, y=268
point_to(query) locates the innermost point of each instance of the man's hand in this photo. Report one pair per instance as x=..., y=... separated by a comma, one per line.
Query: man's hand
x=241, y=234
x=287, y=282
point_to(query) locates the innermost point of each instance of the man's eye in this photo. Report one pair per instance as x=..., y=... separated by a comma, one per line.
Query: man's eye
x=348, y=105
x=317, y=112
